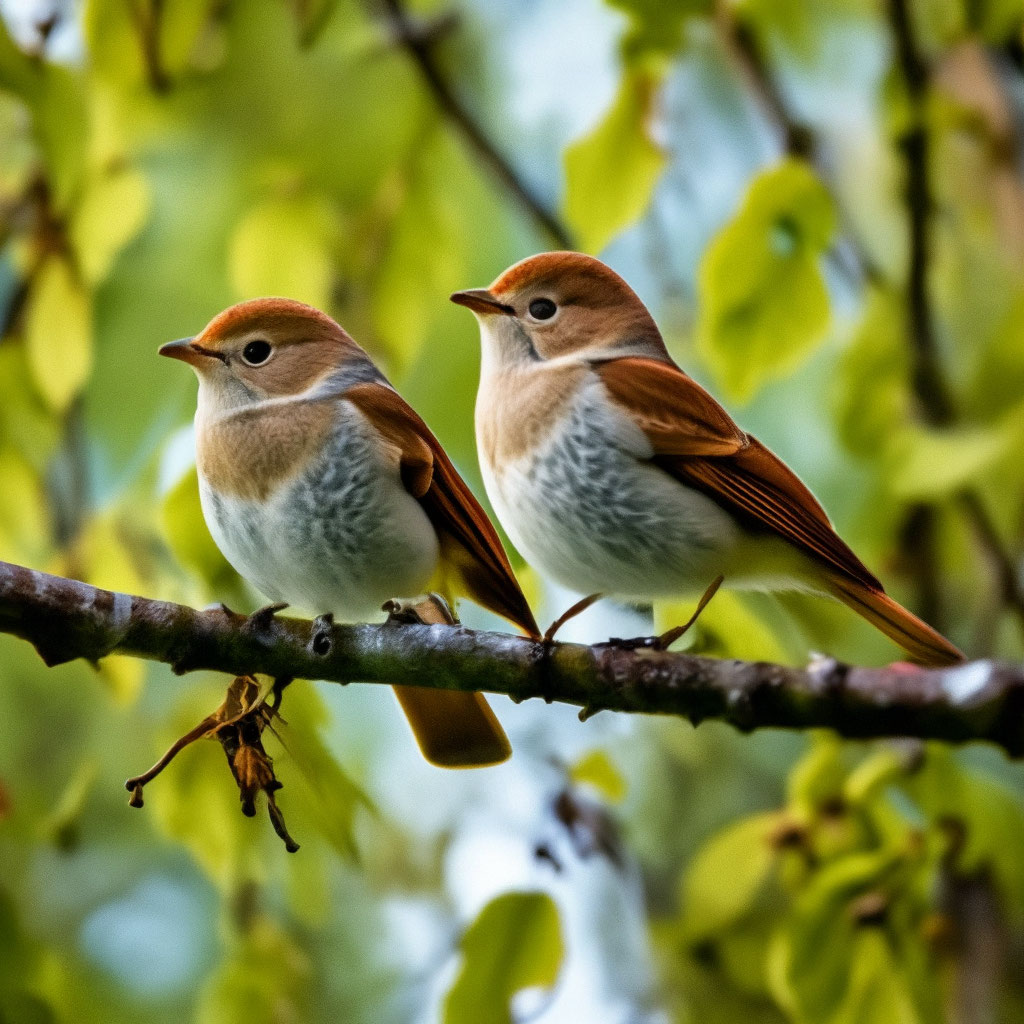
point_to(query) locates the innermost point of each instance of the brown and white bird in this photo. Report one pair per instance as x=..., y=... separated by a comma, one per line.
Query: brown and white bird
x=325, y=490
x=614, y=472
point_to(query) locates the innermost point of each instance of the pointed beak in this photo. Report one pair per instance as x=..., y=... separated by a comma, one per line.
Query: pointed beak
x=480, y=300
x=188, y=351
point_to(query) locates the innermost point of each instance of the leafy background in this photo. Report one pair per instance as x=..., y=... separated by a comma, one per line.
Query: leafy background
x=823, y=204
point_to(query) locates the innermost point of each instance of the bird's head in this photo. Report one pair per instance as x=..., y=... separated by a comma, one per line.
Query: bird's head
x=263, y=348
x=560, y=304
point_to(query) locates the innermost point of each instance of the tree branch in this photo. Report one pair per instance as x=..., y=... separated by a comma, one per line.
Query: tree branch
x=419, y=46
x=65, y=619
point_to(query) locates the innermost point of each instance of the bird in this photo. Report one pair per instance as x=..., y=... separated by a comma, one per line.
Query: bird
x=615, y=473
x=326, y=491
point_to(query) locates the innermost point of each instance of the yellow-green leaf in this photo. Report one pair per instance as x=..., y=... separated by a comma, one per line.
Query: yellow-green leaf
x=611, y=173
x=112, y=212
x=763, y=302
x=928, y=464
x=514, y=944
x=598, y=770
x=58, y=333
x=283, y=247
x=725, y=877
x=189, y=538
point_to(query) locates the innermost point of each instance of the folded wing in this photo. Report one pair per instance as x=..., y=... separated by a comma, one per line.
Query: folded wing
x=469, y=543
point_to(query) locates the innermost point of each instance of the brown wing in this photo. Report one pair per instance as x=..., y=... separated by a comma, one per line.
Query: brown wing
x=469, y=542
x=696, y=441
x=676, y=413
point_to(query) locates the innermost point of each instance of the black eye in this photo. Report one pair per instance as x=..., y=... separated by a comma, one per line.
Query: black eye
x=542, y=309
x=256, y=352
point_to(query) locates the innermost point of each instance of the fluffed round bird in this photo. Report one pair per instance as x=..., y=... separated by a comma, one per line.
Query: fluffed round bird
x=326, y=491
x=616, y=473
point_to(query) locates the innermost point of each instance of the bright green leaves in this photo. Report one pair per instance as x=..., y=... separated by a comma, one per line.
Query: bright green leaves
x=111, y=213
x=727, y=874
x=764, y=305
x=611, y=173
x=58, y=332
x=284, y=247
x=832, y=905
x=514, y=944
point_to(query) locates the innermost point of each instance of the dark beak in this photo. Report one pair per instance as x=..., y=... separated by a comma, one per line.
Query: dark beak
x=188, y=351
x=480, y=300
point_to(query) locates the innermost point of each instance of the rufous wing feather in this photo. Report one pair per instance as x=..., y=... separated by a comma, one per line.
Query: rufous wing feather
x=453, y=729
x=469, y=542
x=696, y=441
x=677, y=414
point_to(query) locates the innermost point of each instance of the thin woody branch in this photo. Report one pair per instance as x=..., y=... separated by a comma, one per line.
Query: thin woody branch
x=420, y=48
x=65, y=619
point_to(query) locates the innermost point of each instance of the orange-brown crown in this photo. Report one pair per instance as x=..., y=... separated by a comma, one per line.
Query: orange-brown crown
x=580, y=277
x=284, y=317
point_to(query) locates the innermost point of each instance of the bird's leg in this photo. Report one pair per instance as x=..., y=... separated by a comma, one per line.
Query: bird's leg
x=669, y=637
x=570, y=613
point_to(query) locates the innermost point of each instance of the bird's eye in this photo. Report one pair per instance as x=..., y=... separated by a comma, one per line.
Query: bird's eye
x=542, y=309
x=256, y=352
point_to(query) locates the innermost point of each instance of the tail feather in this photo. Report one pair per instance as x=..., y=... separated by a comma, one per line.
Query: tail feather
x=925, y=645
x=454, y=729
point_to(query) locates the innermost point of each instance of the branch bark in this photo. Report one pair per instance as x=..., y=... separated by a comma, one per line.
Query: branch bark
x=65, y=619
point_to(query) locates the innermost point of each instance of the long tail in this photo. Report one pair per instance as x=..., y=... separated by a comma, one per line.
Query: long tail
x=925, y=645
x=454, y=729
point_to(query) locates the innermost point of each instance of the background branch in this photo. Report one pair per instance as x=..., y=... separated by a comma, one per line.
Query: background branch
x=420, y=47
x=65, y=619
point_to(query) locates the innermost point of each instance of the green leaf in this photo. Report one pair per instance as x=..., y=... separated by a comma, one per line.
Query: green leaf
x=61, y=122
x=727, y=874
x=878, y=993
x=18, y=72
x=656, y=26
x=611, y=173
x=764, y=303
x=318, y=793
x=990, y=813
x=266, y=979
x=283, y=247
x=188, y=536
x=929, y=464
x=810, y=958
x=598, y=770
x=112, y=212
x=818, y=776
x=873, y=403
x=58, y=333
x=514, y=944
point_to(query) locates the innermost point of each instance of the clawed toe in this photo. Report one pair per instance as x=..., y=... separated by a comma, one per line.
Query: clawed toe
x=670, y=636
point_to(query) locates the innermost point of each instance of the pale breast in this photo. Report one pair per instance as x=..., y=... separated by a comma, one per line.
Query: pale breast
x=586, y=509
x=341, y=534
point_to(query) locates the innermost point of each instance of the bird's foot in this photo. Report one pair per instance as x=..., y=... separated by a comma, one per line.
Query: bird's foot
x=670, y=636
x=570, y=613
x=431, y=611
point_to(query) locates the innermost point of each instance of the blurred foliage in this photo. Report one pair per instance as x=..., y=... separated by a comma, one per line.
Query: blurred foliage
x=745, y=165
